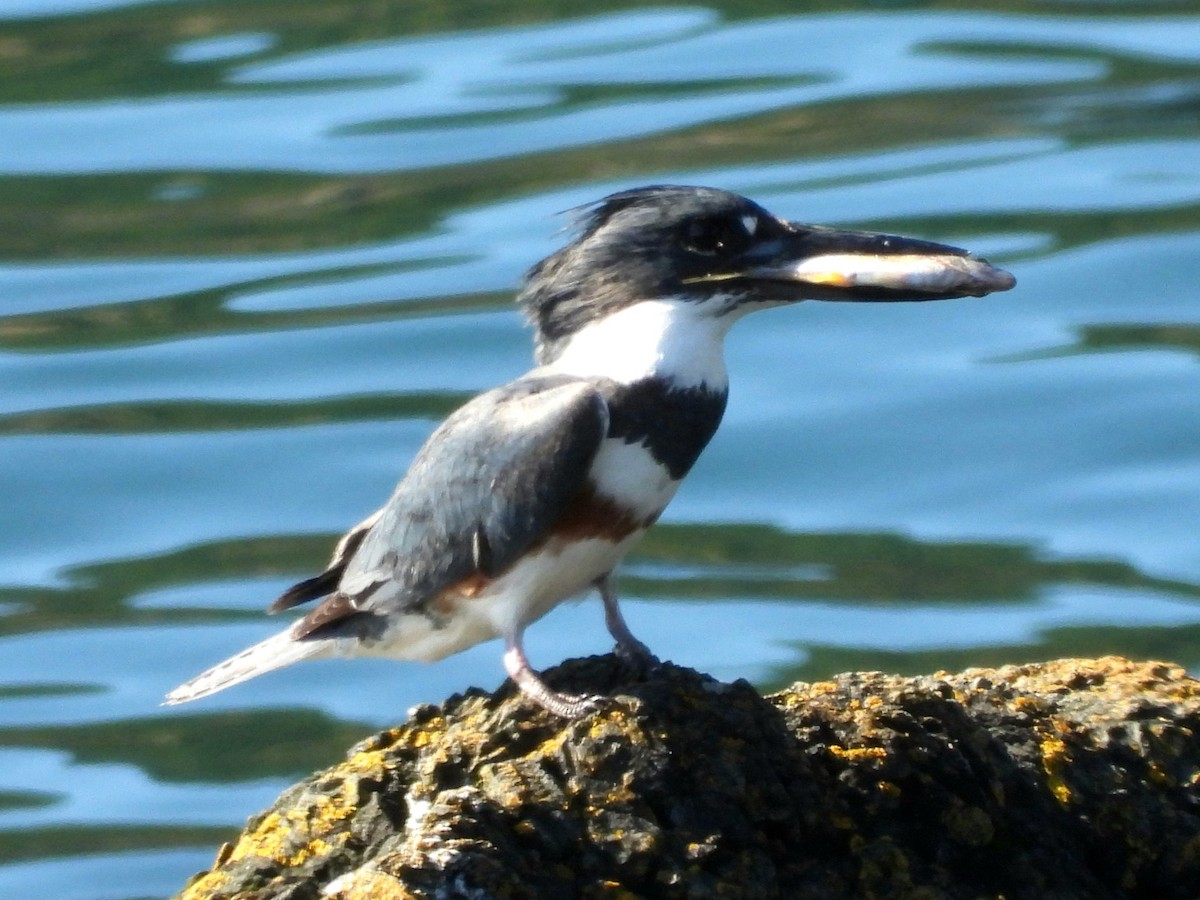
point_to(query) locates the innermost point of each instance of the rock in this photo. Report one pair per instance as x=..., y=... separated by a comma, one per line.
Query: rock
x=1071, y=779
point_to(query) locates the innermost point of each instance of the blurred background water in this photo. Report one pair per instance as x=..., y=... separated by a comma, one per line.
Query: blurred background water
x=251, y=252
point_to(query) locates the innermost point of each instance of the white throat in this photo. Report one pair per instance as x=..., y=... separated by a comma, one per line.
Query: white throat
x=681, y=340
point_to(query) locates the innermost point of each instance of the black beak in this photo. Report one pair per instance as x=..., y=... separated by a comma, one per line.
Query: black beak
x=810, y=262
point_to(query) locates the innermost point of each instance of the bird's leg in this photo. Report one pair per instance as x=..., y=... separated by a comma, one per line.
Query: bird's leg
x=569, y=706
x=630, y=650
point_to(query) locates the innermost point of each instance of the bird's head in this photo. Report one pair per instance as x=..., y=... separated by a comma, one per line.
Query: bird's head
x=727, y=255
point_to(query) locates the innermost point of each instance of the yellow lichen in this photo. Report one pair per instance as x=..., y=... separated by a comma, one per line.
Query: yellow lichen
x=1054, y=763
x=856, y=754
x=614, y=719
x=552, y=746
x=420, y=739
x=1026, y=704
x=291, y=840
x=365, y=762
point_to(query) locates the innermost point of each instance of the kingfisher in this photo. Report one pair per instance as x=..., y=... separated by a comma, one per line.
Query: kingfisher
x=532, y=492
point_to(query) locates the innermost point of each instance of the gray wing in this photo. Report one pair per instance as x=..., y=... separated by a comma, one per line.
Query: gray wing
x=485, y=487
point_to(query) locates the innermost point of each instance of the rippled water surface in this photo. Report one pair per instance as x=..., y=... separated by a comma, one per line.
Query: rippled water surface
x=250, y=253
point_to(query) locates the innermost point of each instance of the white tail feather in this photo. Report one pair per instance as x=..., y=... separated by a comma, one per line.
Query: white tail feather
x=275, y=652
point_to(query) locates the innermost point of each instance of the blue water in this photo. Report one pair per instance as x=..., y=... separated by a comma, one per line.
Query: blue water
x=250, y=254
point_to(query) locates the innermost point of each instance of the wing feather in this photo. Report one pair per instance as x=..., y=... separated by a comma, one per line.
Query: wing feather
x=489, y=483
x=328, y=580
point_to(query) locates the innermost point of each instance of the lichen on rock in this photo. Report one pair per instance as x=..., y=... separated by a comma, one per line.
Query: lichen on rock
x=1070, y=779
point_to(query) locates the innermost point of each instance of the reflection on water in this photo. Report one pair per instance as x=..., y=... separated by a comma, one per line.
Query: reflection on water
x=183, y=415
x=1185, y=337
x=215, y=747
x=251, y=253
x=400, y=129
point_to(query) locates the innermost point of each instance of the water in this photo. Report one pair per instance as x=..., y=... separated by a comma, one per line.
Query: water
x=249, y=254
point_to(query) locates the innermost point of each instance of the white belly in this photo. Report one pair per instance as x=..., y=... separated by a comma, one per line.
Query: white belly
x=525, y=593
x=629, y=474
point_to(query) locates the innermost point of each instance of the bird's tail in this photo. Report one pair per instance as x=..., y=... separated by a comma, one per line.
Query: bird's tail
x=275, y=652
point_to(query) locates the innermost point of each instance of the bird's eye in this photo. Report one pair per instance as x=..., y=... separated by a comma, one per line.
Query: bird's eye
x=715, y=237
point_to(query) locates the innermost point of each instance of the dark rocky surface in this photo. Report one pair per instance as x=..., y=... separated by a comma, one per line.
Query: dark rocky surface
x=1072, y=779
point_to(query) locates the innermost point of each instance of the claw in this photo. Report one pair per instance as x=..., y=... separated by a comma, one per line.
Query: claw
x=637, y=657
x=572, y=706
x=568, y=706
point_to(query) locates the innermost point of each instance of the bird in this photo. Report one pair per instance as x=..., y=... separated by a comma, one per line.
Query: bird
x=532, y=492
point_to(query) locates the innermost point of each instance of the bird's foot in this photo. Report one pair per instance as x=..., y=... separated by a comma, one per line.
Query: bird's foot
x=636, y=656
x=568, y=706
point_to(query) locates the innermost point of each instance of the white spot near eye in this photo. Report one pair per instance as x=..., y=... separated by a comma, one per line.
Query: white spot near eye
x=750, y=223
